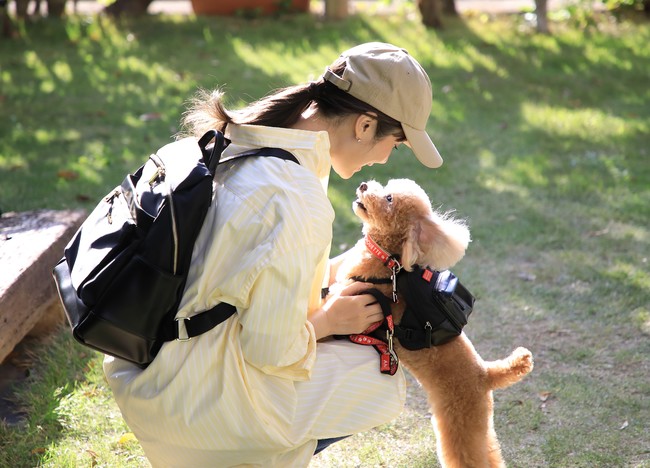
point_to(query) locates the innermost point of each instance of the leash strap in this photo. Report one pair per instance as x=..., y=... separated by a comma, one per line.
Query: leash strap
x=388, y=360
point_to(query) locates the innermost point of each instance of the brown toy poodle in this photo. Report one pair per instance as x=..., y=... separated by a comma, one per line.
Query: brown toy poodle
x=402, y=231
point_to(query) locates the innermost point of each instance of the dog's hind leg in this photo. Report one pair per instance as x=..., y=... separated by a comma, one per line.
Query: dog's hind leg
x=462, y=427
x=505, y=372
x=494, y=449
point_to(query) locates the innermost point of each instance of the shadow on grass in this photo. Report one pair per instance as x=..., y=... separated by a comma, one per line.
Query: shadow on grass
x=56, y=366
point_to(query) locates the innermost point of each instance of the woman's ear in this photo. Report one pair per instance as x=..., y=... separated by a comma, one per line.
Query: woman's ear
x=365, y=127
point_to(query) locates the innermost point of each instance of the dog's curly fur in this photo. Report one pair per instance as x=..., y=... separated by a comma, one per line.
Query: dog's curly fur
x=459, y=384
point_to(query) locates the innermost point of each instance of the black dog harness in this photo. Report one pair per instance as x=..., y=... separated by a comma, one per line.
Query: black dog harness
x=437, y=308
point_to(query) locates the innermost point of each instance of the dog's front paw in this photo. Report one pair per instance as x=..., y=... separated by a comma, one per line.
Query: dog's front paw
x=521, y=361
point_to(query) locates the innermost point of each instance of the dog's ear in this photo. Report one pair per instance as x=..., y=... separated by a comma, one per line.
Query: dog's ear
x=411, y=252
x=437, y=241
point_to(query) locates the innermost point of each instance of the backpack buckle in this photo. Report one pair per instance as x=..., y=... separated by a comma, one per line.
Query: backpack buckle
x=182, y=329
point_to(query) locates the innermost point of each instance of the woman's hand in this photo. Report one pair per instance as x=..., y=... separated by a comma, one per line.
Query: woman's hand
x=346, y=312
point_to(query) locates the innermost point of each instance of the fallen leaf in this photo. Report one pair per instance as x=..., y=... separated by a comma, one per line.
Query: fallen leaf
x=38, y=451
x=544, y=396
x=128, y=437
x=67, y=175
x=624, y=426
x=93, y=457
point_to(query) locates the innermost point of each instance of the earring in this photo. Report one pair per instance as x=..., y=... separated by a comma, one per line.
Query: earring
x=358, y=140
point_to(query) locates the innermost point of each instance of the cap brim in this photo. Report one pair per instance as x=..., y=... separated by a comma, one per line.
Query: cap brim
x=422, y=146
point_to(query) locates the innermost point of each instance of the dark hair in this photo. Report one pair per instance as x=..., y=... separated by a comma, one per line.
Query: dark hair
x=283, y=108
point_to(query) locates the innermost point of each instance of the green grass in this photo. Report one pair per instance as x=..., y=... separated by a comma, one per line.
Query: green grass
x=546, y=145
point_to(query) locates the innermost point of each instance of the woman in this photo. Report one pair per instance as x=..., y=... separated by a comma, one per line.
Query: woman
x=266, y=386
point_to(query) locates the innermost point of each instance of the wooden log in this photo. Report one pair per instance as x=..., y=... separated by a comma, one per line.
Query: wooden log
x=31, y=243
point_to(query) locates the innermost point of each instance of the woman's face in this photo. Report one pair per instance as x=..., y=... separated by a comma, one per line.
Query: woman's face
x=351, y=153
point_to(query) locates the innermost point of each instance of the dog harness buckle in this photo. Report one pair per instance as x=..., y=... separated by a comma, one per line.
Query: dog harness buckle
x=391, y=351
x=395, y=270
x=428, y=329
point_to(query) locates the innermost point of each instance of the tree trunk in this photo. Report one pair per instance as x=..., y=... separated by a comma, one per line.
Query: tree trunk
x=431, y=13
x=128, y=8
x=336, y=9
x=541, y=10
x=21, y=8
x=449, y=7
x=55, y=8
x=7, y=25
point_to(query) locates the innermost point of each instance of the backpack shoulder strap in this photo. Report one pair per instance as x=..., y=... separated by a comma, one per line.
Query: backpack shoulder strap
x=185, y=328
x=267, y=152
x=212, y=153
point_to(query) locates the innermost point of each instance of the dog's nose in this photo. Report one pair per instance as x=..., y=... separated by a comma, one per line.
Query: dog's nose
x=363, y=187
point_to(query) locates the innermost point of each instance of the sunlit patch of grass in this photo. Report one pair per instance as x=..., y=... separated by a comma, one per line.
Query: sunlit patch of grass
x=587, y=123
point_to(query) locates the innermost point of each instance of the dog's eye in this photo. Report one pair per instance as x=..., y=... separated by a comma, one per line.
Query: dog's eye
x=389, y=198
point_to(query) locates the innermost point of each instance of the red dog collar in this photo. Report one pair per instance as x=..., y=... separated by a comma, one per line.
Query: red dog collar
x=388, y=260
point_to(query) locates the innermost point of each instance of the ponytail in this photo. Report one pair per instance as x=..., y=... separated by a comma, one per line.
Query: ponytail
x=283, y=108
x=280, y=109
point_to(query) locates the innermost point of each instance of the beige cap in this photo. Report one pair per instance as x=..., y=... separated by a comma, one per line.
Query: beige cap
x=393, y=82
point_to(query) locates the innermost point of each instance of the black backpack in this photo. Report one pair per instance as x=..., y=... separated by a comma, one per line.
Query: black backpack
x=438, y=306
x=122, y=275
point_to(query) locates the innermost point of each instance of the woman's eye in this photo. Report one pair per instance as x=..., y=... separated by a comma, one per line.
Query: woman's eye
x=389, y=198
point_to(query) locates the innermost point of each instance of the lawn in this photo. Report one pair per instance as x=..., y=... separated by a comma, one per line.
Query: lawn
x=546, y=141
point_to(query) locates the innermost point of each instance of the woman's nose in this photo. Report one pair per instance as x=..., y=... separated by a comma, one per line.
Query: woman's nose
x=363, y=187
